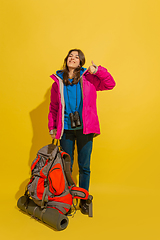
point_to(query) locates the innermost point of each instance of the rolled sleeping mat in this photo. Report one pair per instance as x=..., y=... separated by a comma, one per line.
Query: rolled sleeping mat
x=50, y=216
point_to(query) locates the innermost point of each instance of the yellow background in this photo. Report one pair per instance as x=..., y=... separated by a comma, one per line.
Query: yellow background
x=124, y=37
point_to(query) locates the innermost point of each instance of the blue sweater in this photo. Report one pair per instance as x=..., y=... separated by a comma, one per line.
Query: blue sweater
x=70, y=103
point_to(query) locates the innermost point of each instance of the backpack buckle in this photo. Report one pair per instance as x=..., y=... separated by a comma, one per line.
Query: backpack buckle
x=46, y=183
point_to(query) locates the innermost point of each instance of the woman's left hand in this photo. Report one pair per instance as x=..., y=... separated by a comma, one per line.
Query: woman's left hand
x=92, y=68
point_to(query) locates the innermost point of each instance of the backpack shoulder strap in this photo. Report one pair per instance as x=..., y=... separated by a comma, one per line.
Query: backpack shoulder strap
x=67, y=167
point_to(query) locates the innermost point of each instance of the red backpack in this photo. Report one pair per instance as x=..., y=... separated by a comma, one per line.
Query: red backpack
x=51, y=184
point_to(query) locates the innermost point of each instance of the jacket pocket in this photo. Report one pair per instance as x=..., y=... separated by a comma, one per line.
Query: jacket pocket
x=56, y=180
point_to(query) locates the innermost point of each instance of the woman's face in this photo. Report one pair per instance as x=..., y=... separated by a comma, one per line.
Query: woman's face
x=73, y=60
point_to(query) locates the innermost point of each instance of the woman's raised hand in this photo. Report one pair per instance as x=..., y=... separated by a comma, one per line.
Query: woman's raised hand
x=92, y=68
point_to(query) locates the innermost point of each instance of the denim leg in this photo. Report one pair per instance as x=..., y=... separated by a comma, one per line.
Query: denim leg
x=68, y=143
x=84, y=146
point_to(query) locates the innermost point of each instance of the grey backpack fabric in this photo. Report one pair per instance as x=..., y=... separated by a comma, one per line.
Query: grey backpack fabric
x=48, y=186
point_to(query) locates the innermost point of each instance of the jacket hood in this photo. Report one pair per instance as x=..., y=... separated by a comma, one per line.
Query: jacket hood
x=59, y=73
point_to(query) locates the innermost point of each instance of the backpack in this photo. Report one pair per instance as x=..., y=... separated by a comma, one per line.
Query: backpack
x=51, y=184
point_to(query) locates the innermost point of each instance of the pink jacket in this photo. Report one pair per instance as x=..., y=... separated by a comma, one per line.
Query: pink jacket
x=90, y=83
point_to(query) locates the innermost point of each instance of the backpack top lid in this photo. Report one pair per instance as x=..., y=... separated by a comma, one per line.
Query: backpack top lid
x=48, y=151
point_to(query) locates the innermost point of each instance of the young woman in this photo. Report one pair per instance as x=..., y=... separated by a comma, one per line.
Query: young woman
x=73, y=113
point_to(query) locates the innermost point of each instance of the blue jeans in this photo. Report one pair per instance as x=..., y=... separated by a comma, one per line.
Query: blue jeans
x=84, y=148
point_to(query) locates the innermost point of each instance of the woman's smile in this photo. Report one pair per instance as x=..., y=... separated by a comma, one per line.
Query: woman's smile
x=73, y=60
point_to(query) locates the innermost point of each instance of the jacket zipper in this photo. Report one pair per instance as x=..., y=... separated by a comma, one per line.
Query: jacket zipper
x=83, y=116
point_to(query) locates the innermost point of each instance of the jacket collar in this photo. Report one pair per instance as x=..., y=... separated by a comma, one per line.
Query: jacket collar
x=59, y=73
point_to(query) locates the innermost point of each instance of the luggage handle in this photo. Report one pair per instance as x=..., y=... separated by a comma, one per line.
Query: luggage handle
x=55, y=142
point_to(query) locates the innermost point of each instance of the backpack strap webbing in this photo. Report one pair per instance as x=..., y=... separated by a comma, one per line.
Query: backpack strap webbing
x=44, y=197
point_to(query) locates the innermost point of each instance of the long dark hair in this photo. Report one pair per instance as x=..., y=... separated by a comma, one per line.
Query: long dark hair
x=76, y=71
